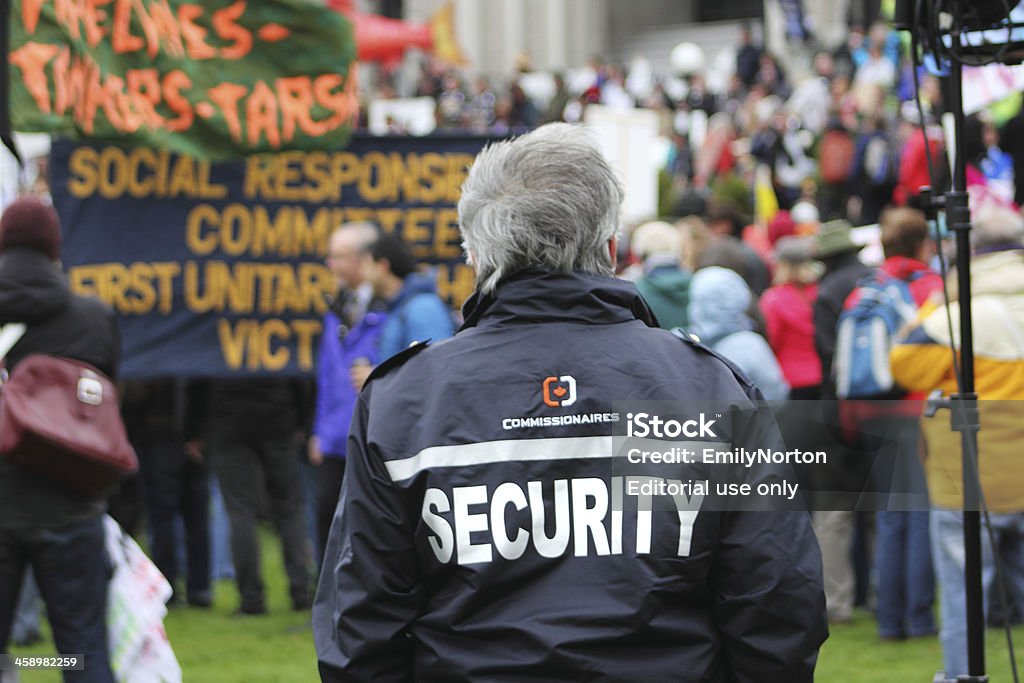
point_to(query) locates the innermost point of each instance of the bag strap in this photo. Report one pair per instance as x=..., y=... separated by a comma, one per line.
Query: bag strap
x=10, y=334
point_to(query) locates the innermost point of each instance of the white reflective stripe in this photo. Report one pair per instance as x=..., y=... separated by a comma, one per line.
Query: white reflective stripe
x=9, y=336
x=509, y=450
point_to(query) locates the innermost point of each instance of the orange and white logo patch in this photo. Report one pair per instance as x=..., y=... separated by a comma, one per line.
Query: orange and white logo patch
x=559, y=392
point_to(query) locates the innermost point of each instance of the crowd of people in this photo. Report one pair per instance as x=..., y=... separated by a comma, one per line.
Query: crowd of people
x=768, y=290
x=754, y=257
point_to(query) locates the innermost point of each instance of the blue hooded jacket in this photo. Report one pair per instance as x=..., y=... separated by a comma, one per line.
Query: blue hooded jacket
x=719, y=299
x=335, y=397
x=416, y=314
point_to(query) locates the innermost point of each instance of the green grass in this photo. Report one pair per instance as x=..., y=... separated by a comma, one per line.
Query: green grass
x=215, y=647
x=854, y=654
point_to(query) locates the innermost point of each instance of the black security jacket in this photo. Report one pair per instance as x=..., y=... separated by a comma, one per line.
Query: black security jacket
x=466, y=549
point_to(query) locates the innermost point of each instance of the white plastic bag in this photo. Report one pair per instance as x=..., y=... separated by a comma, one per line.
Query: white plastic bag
x=136, y=606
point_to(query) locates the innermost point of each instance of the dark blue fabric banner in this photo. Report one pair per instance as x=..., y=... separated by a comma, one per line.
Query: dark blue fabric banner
x=217, y=269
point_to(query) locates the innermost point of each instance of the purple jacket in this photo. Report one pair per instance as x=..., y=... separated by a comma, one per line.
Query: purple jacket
x=335, y=396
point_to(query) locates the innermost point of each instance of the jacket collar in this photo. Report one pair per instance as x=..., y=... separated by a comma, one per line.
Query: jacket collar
x=31, y=287
x=534, y=295
x=903, y=268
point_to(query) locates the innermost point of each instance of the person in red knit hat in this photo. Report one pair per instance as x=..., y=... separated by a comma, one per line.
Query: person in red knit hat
x=31, y=223
x=56, y=532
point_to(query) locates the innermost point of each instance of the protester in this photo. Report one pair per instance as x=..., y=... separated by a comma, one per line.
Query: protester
x=411, y=595
x=875, y=170
x=480, y=110
x=176, y=483
x=556, y=106
x=719, y=300
x=415, y=311
x=837, y=154
x=849, y=470
x=352, y=328
x=878, y=70
x=727, y=224
x=924, y=362
x=990, y=173
x=903, y=553
x=59, y=534
x=664, y=284
x=250, y=431
x=914, y=157
x=843, y=270
x=748, y=58
x=781, y=225
x=788, y=310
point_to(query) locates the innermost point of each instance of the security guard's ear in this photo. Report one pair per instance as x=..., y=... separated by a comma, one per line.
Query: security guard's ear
x=613, y=250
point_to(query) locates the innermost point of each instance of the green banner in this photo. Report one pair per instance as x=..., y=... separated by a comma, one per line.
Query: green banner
x=212, y=79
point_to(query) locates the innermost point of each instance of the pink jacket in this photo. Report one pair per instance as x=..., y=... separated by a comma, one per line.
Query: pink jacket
x=789, y=317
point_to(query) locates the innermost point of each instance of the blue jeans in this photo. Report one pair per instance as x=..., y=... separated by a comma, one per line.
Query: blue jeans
x=220, y=535
x=947, y=533
x=72, y=570
x=906, y=584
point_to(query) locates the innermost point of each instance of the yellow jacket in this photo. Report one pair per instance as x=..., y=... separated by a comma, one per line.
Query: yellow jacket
x=923, y=361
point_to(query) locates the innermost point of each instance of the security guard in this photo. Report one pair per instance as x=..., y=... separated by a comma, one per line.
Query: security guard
x=485, y=530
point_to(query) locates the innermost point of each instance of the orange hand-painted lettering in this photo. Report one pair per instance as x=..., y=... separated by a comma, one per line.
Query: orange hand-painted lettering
x=144, y=91
x=261, y=116
x=224, y=23
x=344, y=104
x=76, y=14
x=194, y=34
x=174, y=83
x=296, y=98
x=95, y=20
x=32, y=59
x=167, y=30
x=121, y=36
x=30, y=11
x=69, y=14
x=92, y=98
x=113, y=92
x=226, y=96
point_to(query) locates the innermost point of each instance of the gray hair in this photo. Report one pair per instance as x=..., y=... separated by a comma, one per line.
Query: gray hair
x=996, y=224
x=367, y=232
x=548, y=199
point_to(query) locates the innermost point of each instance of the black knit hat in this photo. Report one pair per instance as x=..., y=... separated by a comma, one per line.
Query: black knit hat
x=29, y=222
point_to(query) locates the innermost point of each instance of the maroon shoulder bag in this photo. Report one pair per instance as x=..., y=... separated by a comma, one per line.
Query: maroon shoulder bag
x=60, y=419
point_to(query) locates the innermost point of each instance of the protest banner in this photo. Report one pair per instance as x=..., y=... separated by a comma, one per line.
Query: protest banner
x=217, y=269
x=214, y=79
